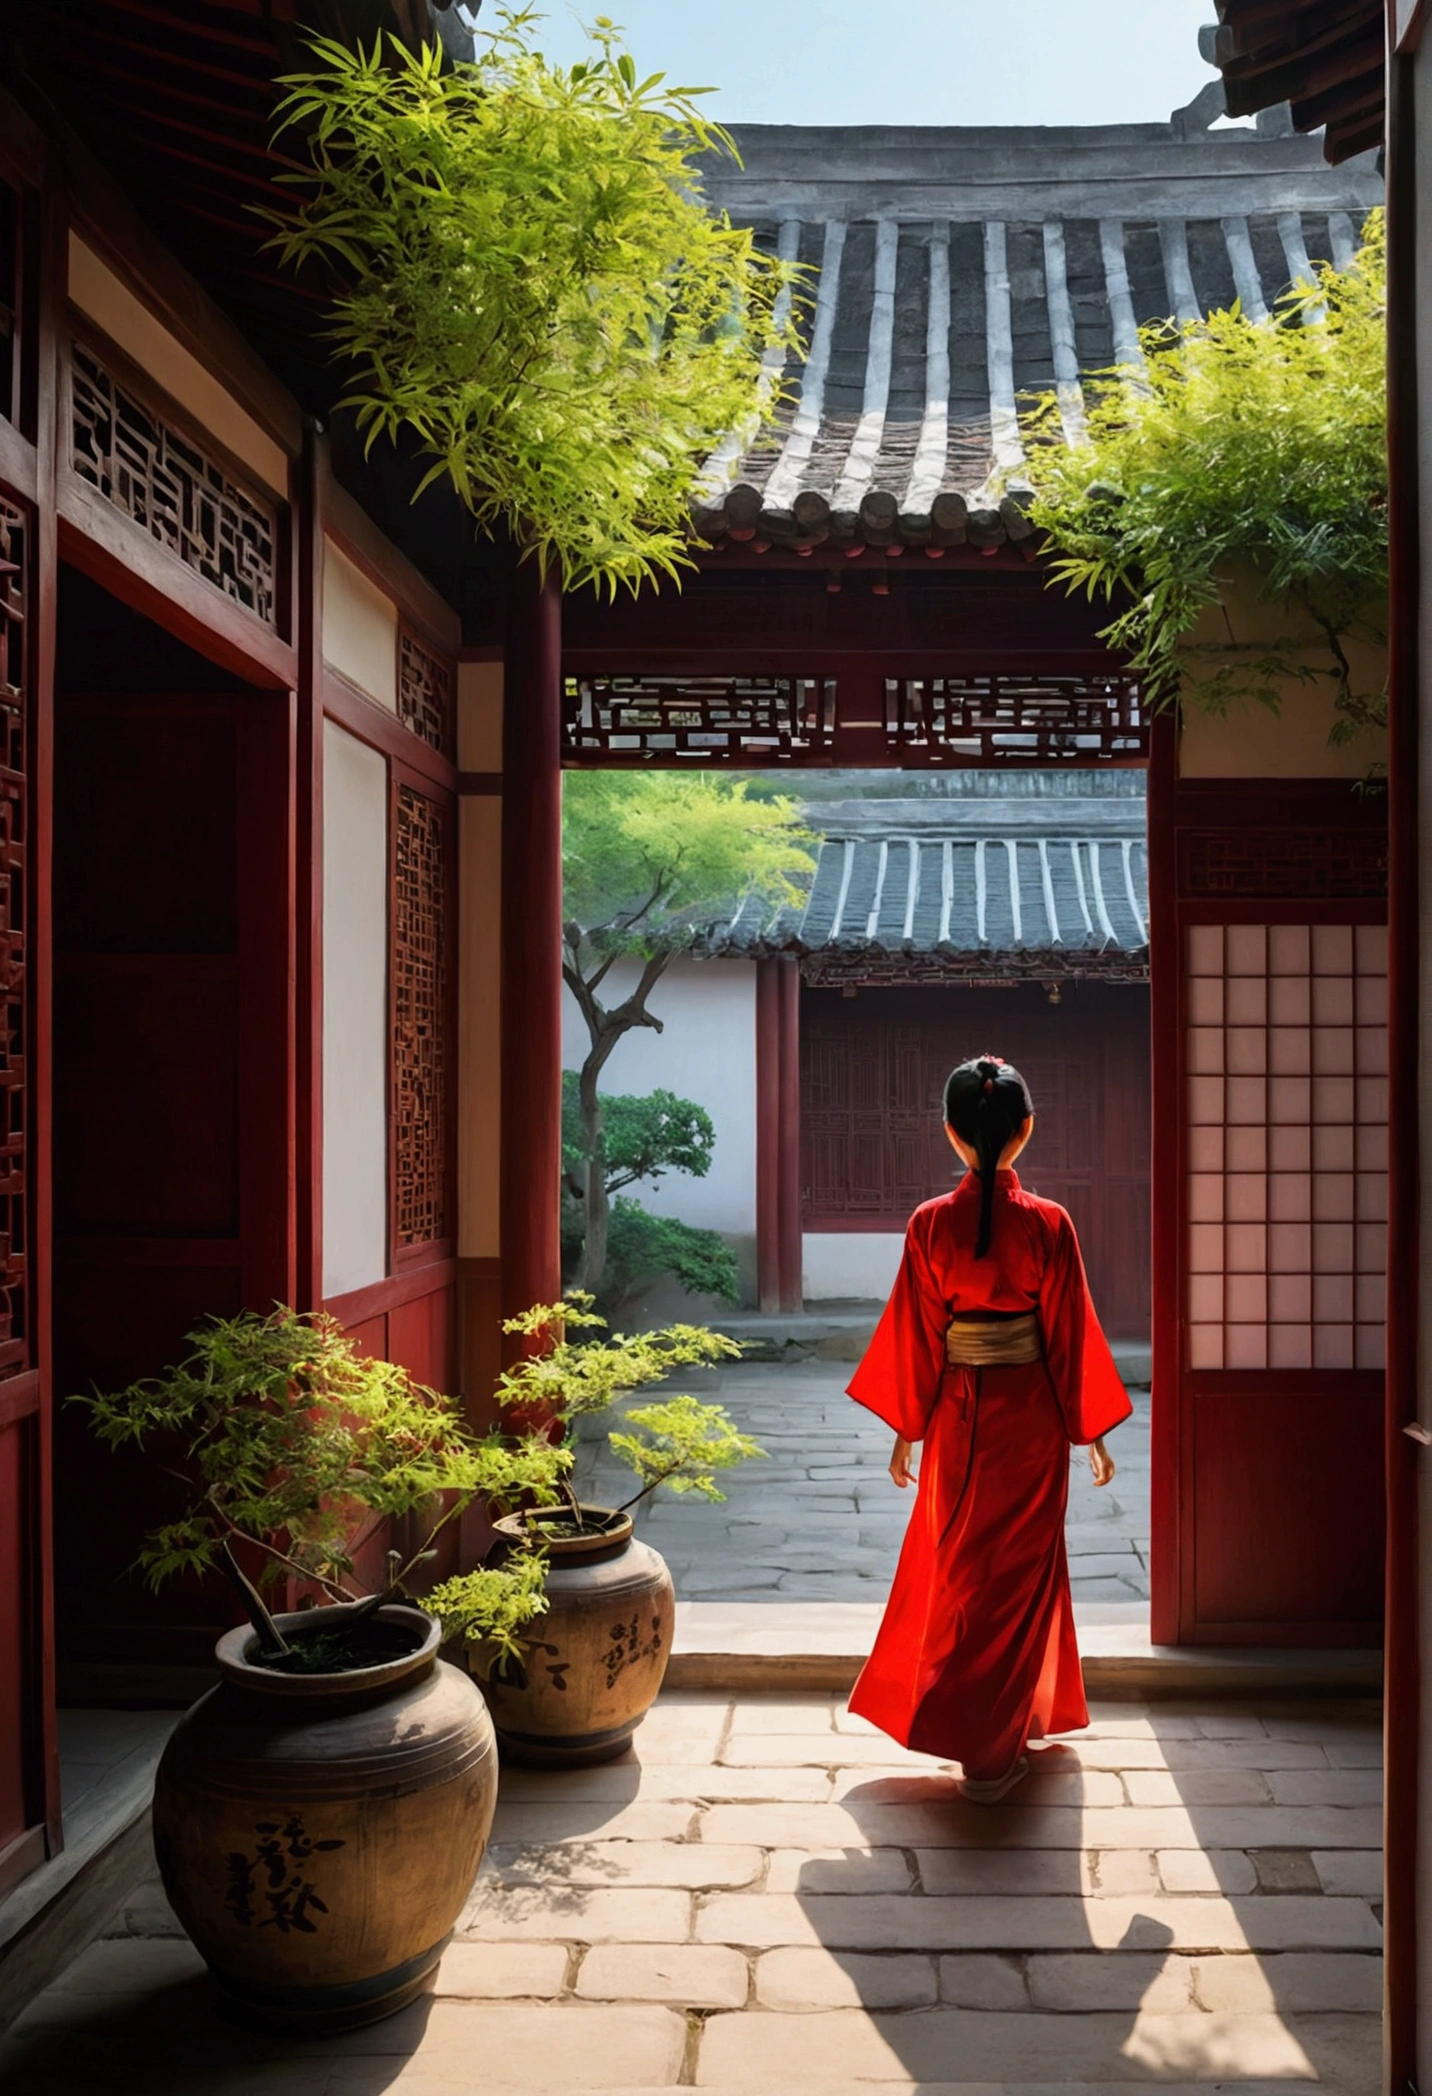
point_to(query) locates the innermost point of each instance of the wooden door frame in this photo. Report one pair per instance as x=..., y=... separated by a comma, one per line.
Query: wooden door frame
x=27, y=466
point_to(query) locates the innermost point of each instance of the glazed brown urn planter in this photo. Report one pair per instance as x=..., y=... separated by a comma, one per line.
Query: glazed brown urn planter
x=591, y=1667
x=317, y=1834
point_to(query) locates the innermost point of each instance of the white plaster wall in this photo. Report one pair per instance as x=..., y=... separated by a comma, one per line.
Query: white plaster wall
x=360, y=629
x=846, y=1265
x=355, y=1013
x=115, y=309
x=1250, y=740
x=707, y=1052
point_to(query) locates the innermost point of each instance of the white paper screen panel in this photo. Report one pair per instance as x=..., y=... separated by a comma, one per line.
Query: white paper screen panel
x=1286, y=1058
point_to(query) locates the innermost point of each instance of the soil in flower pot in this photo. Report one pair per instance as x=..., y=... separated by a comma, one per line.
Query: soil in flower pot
x=318, y=1832
x=591, y=1667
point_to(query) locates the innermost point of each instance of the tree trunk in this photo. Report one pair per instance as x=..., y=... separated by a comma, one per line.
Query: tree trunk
x=604, y=1029
x=596, y=1208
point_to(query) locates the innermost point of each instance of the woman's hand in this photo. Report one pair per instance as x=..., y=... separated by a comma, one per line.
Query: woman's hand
x=900, y=1463
x=1101, y=1462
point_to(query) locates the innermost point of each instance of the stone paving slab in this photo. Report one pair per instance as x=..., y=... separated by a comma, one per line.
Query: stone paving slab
x=637, y=1929
x=819, y=1520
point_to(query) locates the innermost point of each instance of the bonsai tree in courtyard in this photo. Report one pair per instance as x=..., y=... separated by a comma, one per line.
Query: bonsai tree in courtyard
x=644, y=1138
x=532, y=287
x=1235, y=445
x=648, y=858
x=292, y=1444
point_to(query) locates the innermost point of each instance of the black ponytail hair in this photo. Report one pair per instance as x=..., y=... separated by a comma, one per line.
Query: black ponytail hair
x=987, y=1102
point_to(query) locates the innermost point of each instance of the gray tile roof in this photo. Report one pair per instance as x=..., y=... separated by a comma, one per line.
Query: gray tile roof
x=954, y=271
x=976, y=878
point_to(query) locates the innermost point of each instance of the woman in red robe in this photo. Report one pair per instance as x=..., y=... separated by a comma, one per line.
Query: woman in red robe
x=989, y=1353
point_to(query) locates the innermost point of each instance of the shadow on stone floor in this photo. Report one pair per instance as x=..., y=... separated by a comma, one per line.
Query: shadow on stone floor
x=149, y=2021
x=768, y=1896
x=1212, y=1962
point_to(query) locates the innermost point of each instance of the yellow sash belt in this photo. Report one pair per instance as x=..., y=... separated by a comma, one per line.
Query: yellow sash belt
x=1005, y=1342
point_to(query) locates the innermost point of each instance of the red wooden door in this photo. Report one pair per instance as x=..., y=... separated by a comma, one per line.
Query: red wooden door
x=873, y=1075
x=1271, y=1046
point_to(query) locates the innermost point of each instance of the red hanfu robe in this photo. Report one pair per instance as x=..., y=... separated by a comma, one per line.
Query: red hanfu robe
x=977, y=1653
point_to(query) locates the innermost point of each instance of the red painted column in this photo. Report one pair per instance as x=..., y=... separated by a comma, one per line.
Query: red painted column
x=788, y=1162
x=1166, y=1191
x=308, y=928
x=768, y=1134
x=1402, y=1693
x=532, y=943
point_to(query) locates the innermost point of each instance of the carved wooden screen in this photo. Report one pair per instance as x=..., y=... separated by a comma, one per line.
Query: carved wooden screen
x=421, y=1002
x=172, y=488
x=706, y=720
x=1016, y=720
x=425, y=693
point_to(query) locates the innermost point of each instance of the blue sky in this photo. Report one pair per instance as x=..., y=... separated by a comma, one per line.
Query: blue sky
x=912, y=61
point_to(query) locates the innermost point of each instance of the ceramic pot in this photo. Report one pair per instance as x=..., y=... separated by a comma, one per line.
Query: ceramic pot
x=591, y=1667
x=318, y=1834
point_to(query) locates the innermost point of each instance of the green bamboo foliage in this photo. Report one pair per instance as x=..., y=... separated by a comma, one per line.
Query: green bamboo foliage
x=1234, y=448
x=532, y=287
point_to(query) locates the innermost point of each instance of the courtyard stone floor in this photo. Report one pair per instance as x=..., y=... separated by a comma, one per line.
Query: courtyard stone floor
x=767, y=1895
x=820, y=1520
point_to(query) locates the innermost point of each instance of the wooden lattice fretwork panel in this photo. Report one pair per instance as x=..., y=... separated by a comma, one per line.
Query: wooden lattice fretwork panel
x=1016, y=720
x=697, y=720
x=14, y=1263
x=421, y=962
x=425, y=693
x=1326, y=864
x=171, y=488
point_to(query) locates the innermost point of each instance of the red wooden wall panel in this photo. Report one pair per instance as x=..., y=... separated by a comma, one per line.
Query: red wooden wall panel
x=1281, y=1491
x=873, y=1074
x=16, y=1531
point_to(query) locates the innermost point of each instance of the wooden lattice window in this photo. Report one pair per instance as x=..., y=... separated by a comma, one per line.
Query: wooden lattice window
x=1286, y=1050
x=697, y=720
x=425, y=693
x=171, y=489
x=421, y=1052
x=1016, y=720
x=14, y=1262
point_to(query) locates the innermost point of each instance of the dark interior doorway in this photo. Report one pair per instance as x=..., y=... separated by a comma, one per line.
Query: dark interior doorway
x=171, y=1030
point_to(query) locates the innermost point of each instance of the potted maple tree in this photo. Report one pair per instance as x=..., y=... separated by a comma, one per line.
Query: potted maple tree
x=319, y=1816
x=582, y=1683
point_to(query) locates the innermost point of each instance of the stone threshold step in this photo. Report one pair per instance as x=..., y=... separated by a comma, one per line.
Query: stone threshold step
x=1131, y=2080
x=821, y=1646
